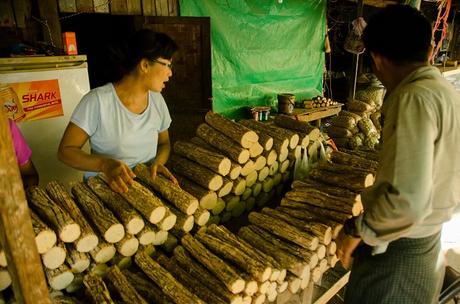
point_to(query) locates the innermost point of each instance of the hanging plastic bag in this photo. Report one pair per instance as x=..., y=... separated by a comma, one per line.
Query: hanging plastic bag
x=322, y=152
x=301, y=166
x=353, y=42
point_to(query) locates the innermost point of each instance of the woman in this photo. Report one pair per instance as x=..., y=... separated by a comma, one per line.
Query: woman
x=126, y=121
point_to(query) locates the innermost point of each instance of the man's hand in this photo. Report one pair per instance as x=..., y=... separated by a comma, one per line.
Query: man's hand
x=161, y=169
x=119, y=175
x=346, y=245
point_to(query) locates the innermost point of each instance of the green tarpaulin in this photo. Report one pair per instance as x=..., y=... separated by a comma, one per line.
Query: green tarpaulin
x=262, y=48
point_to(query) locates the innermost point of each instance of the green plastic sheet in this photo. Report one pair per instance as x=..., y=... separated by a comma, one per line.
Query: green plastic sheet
x=262, y=48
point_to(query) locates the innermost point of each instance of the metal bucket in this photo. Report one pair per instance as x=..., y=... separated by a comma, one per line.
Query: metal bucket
x=286, y=103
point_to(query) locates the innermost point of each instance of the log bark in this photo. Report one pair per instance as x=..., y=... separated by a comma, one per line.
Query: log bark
x=353, y=160
x=78, y=261
x=211, y=160
x=103, y=252
x=181, y=199
x=45, y=238
x=226, y=188
x=207, y=198
x=67, y=230
x=237, y=132
x=227, y=251
x=369, y=155
x=103, y=219
x=59, y=278
x=319, y=212
x=54, y=257
x=144, y=201
x=168, y=284
x=203, y=275
x=218, y=267
x=344, y=169
x=292, y=124
x=286, y=260
x=189, y=281
x=201, y=175
x=96, y=289
x=321, y=199
x=128, y=245
x=125, y=213
x=333, y=190
x=223, y=143
x=121, y=284
x=88, y=239
x=146, y=288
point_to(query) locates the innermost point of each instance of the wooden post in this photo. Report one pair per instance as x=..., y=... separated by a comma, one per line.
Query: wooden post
x=16, y=235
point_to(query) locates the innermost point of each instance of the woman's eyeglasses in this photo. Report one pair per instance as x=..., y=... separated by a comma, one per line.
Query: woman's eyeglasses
x=166, y=64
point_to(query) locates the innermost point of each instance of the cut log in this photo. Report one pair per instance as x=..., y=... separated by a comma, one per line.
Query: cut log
x=322, y=231
x=223, y=143
x=332, y=260
x=250, y=203
x=96, y=289
x=3, y=261
x=283, y=155
x=59, y=278
x=247, y=168
x=211, y=160
x=331, y=248
x=214, y=219
x=240, y=134
x=5, y=278
x=321, y=199
x=218, y=267
x=88, y=239
x=263, y=173
x=201, y=175
x=78, y=261
x=45, y=238
x=284, y=166
x=185, y=222
x=207, y=198
x=252, y=286
x=189, y=281
x=231, y=201
x=260, y=162
x=168, y=284
x=181, y=199
x=227, y=251
x=146, y=288
x=98, y=269
x=239, y=186
x=169, y=220
x=343, y=169
x=201, y=274
x=277, y=179
x=353, y=160
x=77, y=283
x=313, y=211
x=251, y=178
x=280, y=141
x=292, y=136
x=201, y=216
x=160, y=237
x=282, y=287
x=235, y=171
x=144, y=201
x=256, y=189
x=333, y=190
x=293, y=283
x=103, y=219
x=146, y=236
x=121, y=284
x=220, y=206
x=267, y=184
x=255, y=150
x=246, y=194
x=66, y=228
x=273, y=169
x=304, y=139
x=54, y=257
x=366, y=154
x=286, y=260
x=287, y=122
x=309, y=258
x=259, y=298
x=128, y=245
x=226, y=188
x=321, y=251
x=125, y=213
x=122, y=262
x=103, y=252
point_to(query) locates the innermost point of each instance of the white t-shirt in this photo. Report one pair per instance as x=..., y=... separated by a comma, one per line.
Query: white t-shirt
x=118, y=133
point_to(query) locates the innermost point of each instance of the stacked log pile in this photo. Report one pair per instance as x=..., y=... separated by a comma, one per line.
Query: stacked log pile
x=360, y=126
x=232, y=166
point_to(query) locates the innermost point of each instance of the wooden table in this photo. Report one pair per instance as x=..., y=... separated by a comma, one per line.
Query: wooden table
x=308, y=115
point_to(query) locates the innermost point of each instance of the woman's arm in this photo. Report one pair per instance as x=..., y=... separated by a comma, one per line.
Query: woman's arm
x=29, y=174
x=70, y=152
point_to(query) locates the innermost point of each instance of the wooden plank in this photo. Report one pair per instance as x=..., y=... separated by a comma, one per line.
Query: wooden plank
x=314, y=114
x=22, y=11
x=324, y=298
x=84, y=6
x=118, y=7
x=17, y=235
x=148, y=8
x=66, y=6
x=162, y=7
x=101, y=6
x=52, y=32
x=173, y=7
x=134, y=7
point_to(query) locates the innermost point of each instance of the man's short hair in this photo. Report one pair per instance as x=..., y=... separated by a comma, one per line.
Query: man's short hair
x=400, y=33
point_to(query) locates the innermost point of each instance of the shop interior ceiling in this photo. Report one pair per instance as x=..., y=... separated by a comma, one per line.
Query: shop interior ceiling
x=260, y=49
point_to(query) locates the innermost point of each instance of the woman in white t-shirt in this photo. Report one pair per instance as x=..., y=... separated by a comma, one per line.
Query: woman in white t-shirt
x=125, y=121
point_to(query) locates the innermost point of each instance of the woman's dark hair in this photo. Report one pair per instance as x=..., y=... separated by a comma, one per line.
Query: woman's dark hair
x=142, y=44
x=400, y=33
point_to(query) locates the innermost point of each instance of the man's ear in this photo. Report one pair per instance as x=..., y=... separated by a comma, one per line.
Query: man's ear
x=378, y=60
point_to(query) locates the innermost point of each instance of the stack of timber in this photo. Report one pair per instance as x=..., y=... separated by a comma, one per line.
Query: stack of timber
x=230, y=167
x=85, y=231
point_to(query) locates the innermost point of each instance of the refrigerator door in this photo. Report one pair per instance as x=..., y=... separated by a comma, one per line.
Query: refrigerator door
x=43, y=136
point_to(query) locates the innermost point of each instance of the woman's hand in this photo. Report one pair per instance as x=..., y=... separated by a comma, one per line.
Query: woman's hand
x=119, y=175
x=158, y=168
x=346, y=245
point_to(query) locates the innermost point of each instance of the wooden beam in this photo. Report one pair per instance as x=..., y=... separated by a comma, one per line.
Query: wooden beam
x=16, y=235
x=51, y=26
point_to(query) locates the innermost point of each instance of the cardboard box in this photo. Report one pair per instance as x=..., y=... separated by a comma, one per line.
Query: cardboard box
x=70, y=43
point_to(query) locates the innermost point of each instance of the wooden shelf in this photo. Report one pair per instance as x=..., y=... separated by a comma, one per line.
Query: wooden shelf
x=308, y=115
